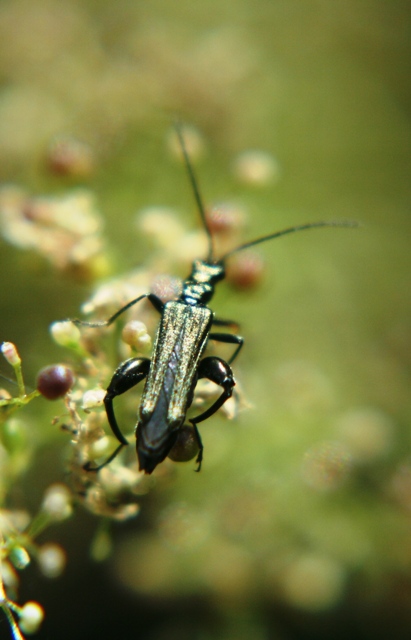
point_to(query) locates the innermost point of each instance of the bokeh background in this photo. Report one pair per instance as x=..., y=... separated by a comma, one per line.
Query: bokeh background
x=299, y=524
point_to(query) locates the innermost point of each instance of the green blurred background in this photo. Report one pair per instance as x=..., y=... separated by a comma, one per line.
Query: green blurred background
x=262, y=544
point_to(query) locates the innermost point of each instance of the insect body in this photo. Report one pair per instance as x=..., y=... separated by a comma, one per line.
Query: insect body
x=173, y=373
x=177, y=363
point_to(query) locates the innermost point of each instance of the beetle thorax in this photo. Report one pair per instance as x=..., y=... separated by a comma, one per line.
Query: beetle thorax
x=199, y=286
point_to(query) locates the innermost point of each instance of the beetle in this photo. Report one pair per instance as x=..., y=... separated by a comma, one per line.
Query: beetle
x=177, y=364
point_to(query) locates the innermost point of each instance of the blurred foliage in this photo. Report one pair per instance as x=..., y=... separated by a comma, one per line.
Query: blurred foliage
x=299, y=524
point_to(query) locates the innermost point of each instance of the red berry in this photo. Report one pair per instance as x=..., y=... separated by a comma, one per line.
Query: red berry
x=245, y=271
x=54, y=381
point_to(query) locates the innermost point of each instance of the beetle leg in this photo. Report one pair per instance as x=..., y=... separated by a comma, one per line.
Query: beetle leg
x=220, y=322
x=199, y=458
x=126, y=376
x=88, y=466
x=219, y=372
x=230, y=339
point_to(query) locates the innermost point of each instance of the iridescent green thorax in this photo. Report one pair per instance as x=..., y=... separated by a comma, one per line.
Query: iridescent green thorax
x=199, y=286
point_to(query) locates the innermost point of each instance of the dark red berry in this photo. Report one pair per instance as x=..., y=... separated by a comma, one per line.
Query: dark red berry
x=245, y=271
x=186, y=446
x=54, y=381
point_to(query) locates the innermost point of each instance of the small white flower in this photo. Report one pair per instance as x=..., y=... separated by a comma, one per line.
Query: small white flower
x=9, y=351
x=93, y=398
x=31, y=616
x=65, y=333
x=57, y=502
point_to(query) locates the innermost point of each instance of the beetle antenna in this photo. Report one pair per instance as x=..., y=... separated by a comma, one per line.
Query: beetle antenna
x=284, y=232
x=196, y=190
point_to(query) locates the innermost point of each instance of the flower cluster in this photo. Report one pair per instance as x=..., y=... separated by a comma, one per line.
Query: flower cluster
x=91, y=355
x=66, y=229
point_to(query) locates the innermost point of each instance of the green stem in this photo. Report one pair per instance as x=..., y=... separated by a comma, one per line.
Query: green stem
x=20, y=381
x=37, y=525
x=13, y=625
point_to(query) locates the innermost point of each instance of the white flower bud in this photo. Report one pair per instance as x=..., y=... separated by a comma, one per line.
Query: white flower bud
x=135, y=334
x=93, y=398
x=30, y=617
x=52, y=560
x=11, y=354
x=257, y=168
x=65, y=333
x=100, y=447
x=57, y=502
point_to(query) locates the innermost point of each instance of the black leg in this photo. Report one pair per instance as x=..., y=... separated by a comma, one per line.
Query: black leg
x=199, y=458
x=219, y=322
x=126, y=376
x=88, y=466
x=156, y=302
x=230, y=339
x=218, y=371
